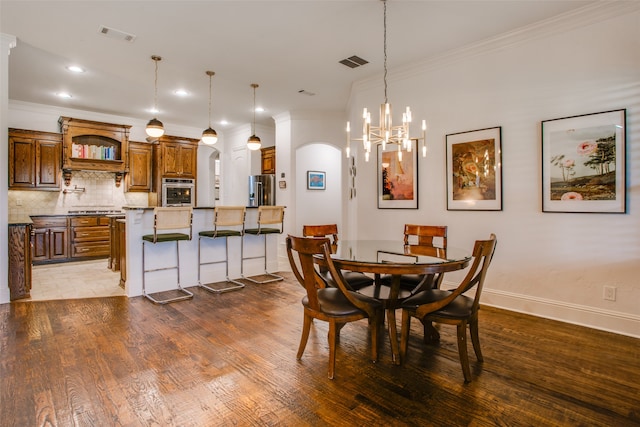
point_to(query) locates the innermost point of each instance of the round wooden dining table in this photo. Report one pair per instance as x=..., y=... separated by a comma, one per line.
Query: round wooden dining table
x=394, y=258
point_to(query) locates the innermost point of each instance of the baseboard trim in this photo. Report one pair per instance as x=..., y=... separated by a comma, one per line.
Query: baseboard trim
x=592, y=317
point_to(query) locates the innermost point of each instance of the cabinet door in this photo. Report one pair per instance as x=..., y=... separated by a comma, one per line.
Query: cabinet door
x=22, y=162
x=170, y=160
x=58, y=243
x=188, y=160
x=40, y=244
x=139, y=177
x=269, y=160
x=48, y=161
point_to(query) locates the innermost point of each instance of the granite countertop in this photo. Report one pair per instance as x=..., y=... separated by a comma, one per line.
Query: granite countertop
x=20, y=220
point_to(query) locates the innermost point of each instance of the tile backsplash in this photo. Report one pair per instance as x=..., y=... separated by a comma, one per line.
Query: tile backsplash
x=88, y=190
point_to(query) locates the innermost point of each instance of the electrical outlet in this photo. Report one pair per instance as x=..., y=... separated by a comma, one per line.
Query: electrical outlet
x=18, y=202
x=609, y=293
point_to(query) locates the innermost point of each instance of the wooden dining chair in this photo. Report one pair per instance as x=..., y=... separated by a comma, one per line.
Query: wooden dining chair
x=432, y=238
x=354, y=279
x=335, y=305
x=451, y=307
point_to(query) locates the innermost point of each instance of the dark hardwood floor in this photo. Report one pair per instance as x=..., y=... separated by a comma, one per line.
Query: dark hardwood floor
x=229, y=359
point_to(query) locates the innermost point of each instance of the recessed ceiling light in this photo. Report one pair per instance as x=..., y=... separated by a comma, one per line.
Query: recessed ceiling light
x=259, y=110
x=153, y=110
x=64, y=95
x=75, y=69
x=181, y=92
x=224, y=122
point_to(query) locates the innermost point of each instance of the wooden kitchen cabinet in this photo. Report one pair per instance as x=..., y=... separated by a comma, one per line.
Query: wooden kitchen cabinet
x=49, y=240
x=19, y=261
x=114, y=244
x=176, y=157
x=90, y=237
x=34, y=160
x=94, y=146
x=268, y=160
x=121, y=225
x=140, y=167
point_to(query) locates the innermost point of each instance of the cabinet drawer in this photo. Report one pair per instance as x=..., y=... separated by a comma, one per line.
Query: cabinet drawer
x=85, y=234
x=49, y=222
x=84, y=221
x=89, y=249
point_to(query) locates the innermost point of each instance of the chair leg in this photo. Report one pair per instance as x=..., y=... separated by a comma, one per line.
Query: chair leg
x=185, y=293
x=462, y=351
x=332, y=349
x=234, y=285
x=306, y=328
x=374, y=327
x=272, y=277
x=475, y=339
x=404, y=334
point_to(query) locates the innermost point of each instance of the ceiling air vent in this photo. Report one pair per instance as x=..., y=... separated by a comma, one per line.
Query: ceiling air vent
x=354, y=61
x=116, y=34
x=306, y=92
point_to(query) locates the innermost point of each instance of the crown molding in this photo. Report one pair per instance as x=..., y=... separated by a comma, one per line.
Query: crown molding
x=579, y=18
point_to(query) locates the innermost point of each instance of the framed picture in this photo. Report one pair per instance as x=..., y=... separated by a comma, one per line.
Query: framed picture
x=397, y=177
x=583, y=163
x=316, y=180
x=474, y=170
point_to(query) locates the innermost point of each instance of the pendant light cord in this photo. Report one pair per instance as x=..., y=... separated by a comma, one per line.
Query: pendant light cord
x=210, y=75
x=253, y=130
x=155, y=85
x=385, y=51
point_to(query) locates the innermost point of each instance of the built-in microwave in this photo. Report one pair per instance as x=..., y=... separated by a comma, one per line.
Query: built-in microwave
x=178, y=192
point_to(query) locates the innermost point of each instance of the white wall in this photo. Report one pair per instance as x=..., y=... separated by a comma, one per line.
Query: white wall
x=318, y=206
x=549, y=264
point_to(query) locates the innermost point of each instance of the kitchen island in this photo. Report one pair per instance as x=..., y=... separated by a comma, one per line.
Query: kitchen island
x=139, y=221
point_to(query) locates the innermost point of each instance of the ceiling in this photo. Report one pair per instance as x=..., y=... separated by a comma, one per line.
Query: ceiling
x=284, y=46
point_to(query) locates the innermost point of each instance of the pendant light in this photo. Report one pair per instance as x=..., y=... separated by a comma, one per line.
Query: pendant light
x=209, y=136
x=253, y=143
x=155, y=129
x=385, y=132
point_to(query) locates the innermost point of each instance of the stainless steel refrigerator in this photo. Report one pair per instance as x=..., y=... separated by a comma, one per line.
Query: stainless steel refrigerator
x=262, y=190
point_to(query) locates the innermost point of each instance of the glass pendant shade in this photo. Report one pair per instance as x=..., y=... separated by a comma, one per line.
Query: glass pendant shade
x=254, y=143
x=155, y=129
x=209, y=136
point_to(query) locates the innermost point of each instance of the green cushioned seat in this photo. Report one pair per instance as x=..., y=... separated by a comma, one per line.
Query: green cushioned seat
x=257, y=231
x=220, y=233
x=166, y=237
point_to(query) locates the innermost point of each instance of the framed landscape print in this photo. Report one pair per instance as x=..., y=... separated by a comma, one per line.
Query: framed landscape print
x=583, y=163
x=316, y=180
x=474, y=170
x=397, y=177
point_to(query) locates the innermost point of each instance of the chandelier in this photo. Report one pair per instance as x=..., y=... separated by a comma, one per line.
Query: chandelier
x=385, y=132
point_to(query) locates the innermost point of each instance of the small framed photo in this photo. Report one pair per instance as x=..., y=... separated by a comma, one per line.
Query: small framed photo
x=583, y=163
x=397, y=177
x=316, y=180
x=474, y=170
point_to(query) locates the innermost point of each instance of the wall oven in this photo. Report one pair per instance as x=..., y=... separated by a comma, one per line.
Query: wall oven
x=178, y=192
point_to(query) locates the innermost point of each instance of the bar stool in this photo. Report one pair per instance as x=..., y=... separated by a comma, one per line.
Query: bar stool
x=224, y=216
x=168, y=218
x=267, y=215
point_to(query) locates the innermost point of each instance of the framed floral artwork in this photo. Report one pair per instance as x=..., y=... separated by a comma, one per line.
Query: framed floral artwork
x=474, y=170
x=397, y=177
x=583, y=163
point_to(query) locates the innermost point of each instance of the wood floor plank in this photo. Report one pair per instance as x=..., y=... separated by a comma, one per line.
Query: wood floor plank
x=230, y=359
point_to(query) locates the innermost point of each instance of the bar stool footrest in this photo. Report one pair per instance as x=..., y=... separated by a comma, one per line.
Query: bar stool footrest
x=185, y=296
x=271, y=278
x=234, y=285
